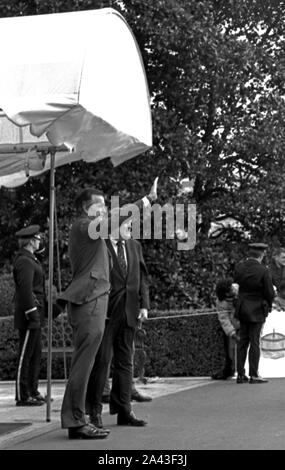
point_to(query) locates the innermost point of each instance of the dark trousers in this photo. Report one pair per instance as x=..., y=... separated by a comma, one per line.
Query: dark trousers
x=249, y=336
x=88, y=324
x=107, y=386
x=118, y=339
x=229, y=347
x=29, y=362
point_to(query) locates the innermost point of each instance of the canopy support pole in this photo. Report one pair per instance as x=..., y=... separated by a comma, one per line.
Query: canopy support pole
x=51, y=243
x=60, y=288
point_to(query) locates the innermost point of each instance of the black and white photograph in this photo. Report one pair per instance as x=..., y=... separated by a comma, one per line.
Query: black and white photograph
x=142, y=216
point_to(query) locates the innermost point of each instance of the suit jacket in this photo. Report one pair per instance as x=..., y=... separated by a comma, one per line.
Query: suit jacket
x=131, y=292
x=256, y=291
x=90, y=263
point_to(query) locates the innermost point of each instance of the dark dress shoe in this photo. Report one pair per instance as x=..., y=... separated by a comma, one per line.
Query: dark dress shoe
x=220, y=376
x=29, y=402
x=129, y=419
x=242, y=379
x=96, y=420
x=136, y=396
x=257, y=380
x=88, y=431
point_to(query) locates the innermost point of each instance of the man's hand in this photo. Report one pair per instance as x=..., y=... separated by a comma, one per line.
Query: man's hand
x=61, y=316
x=235, y=289
x=152, y=196
x=34, y=321
x=143, y=315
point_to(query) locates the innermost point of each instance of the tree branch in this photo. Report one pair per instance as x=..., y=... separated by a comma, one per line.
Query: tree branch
x=211, y=113
x=213, y=192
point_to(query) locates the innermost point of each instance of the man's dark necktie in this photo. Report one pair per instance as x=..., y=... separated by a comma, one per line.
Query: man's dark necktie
x=121, y=257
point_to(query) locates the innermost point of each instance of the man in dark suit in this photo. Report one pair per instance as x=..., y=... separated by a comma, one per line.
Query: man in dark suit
x=256, y=294
x=135, y=395
x=128, y=303
x=87, y=297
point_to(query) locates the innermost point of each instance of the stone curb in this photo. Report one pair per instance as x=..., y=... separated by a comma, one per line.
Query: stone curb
x=22, y=435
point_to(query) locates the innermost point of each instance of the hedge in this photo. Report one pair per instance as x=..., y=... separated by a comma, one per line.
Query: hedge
x=9, y=354
x=177, y=279
x=8, y=349
x=6, y=293
x=191, y=346
x=186, y=346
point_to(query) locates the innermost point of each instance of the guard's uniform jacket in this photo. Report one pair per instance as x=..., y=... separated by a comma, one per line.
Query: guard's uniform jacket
x=30, y=309
x=256, y=291
x=29, y=288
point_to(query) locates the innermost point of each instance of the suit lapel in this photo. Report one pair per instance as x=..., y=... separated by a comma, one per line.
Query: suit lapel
x=110, y=254
x=130, y=257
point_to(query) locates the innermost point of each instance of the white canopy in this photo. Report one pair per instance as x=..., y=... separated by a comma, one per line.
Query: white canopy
x=72, y=86
x=23, y=155
x=74, y=79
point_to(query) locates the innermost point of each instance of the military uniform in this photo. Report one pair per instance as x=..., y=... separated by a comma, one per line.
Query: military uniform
x=256, y=294
x=29, y=314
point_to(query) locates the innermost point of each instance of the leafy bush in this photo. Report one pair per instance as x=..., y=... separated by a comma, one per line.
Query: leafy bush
x=183, y=346
x=6, y=294
x=185, y=280
x=8, y=349
x=174, y=347
x=57, y=367
x=9, y=354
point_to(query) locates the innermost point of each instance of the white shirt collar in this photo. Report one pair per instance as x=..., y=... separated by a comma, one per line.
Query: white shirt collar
x=115, y=240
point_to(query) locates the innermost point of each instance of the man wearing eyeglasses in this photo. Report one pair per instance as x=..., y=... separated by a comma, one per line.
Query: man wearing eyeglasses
x=87, y=299
x=29, y=315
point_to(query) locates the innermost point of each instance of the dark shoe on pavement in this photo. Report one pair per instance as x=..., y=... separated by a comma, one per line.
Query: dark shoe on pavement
x=129, y=419
x=29, y=402
x=220, y=376
x=257, y=380
x=96, y=420
x=242, y=379
x=106, y=399
x=137, y=396
x=88, y=431
x=39, y=397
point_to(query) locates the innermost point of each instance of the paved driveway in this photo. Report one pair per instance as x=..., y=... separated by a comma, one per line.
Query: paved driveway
x=210, y=415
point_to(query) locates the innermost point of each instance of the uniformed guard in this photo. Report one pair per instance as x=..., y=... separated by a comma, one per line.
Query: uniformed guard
x=29, y=315
x=255, y=298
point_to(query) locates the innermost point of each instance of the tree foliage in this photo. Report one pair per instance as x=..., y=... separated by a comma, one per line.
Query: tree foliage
x=215, y=70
